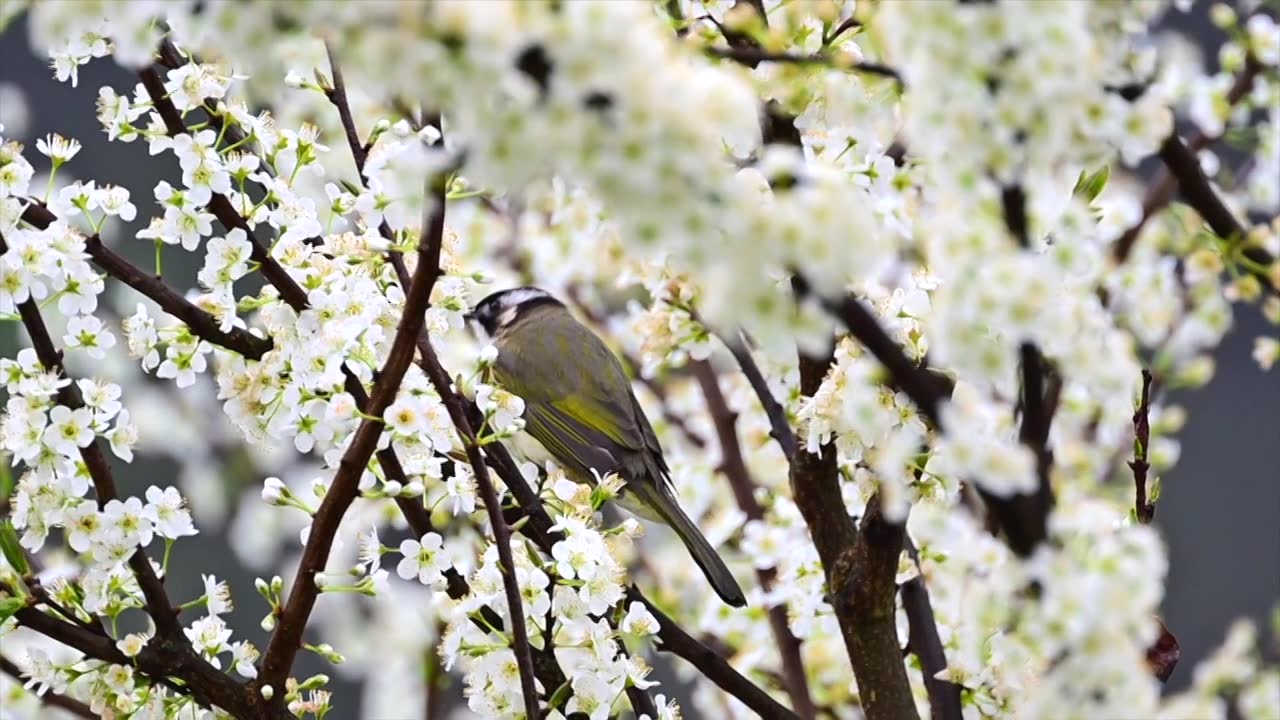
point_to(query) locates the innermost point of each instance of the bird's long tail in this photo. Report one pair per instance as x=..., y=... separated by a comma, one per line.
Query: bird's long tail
x=661, y=500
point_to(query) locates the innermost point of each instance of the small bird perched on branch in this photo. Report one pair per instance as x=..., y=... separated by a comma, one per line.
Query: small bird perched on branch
x=581, y=413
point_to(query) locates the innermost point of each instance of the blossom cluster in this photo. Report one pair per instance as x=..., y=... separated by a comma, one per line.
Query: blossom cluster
x=959, y=169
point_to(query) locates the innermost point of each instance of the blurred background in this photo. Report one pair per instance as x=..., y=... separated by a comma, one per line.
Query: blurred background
x=1219, y=509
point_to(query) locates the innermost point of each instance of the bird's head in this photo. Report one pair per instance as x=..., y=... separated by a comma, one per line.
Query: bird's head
x=502, y=308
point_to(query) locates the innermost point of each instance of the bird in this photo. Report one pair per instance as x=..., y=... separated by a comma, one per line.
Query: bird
x=581, y=412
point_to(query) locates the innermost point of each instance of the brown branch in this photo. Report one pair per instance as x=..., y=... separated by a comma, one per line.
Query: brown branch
x=1160, y=192
x=50, y=698
x=202, y=323
x=1145, y=510
x=860, y=563
x=752, y=56
x=286, y=640
x=502, y=532
x=171, y=58
x=837, y=31
x=734, y=468
x=923, y=640
x=780, y=426
x=157, y=600
x=926, y=388
x=713, y=667
x=1024, y=518
x=159, y=660
x=219, y=205
x=338, y=96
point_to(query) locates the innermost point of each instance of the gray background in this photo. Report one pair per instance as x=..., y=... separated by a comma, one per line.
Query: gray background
x=1219, y=508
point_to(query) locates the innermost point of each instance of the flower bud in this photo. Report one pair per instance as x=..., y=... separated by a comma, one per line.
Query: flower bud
x=274, y=491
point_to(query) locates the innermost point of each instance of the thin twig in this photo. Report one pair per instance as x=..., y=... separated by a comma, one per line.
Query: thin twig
x=734, y=468
x=502, y=532
x=779, y=425
x=50, y=698
x=839, y=30
x=752, y=56
x=286, y=640
x=1145, y=510
x=338, y=96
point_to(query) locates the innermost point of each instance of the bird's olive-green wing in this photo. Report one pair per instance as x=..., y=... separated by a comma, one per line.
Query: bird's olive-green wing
x=578, y=400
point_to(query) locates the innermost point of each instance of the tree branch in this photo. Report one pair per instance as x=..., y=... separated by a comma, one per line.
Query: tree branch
x=502, y=532
x=290, y=291
x=286, y=640
x=1025, y=518
x=923, y=640
x=202, y=324
x=780, y=426
x=1145, y=510
x=712, y=666
x=1162, y=187
x=735, y=469
x=1199, y=194
x=926, y=388
x=159, y=661
x=338, y=96
x=752, y=56
x=50, y=698
x=157, y=600
x=861, y=565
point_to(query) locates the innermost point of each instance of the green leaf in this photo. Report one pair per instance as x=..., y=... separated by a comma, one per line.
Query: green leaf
x=6, y=477
x=10, y=606
x=12, y=549
x=1091, y=185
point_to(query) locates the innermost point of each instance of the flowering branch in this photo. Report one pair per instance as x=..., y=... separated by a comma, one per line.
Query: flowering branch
x=201, y=322
x=219, y=205
x=286, y=640
x=927, y=389
x=501, y=530
x=50, y=698
x=159, y=660
x=1162, y=187
x=1025, y=517
x=735, y=469
x=158, y=606
x=1199, y=194
x=712, y=666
